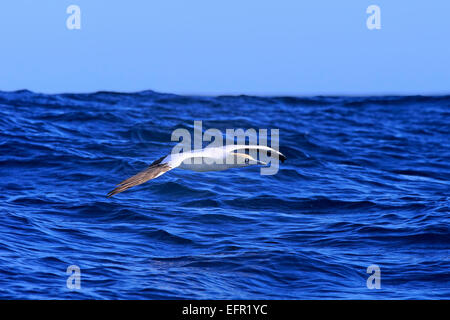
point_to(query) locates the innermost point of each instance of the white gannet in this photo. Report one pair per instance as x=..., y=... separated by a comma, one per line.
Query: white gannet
x=212, y=159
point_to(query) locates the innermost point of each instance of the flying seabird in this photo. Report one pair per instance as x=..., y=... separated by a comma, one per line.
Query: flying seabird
x=212, y=159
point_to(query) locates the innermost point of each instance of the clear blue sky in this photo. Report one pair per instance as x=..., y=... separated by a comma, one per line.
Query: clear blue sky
x=231, y=47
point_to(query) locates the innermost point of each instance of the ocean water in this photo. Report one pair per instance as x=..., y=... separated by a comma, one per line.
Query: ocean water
x=366, y=182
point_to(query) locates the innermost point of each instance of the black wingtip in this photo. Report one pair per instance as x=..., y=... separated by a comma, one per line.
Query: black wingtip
x=282, y=158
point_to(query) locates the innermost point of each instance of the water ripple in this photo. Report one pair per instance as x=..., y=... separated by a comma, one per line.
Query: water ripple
x=366, y=182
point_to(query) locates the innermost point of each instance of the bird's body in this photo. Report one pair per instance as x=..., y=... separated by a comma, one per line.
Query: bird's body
x=198, y=160
x=208, y=159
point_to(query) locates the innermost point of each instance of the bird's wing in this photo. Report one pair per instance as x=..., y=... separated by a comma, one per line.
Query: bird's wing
x=176, y=159
x=156, y=169
x=231, y=148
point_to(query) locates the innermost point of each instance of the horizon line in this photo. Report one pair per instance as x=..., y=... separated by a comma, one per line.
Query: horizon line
x=254, y=94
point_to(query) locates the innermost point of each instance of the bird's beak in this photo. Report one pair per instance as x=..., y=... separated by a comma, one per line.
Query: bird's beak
x=262, y=163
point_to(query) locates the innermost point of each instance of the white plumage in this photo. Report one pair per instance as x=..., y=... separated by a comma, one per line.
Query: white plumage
x=208, y=159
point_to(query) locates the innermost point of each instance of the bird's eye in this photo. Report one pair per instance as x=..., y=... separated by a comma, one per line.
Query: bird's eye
x=247, y=160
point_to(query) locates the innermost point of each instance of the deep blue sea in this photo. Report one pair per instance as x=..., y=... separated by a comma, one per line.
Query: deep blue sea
x=366, y=182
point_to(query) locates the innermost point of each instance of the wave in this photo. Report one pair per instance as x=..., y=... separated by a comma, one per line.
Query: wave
x=365, y=182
